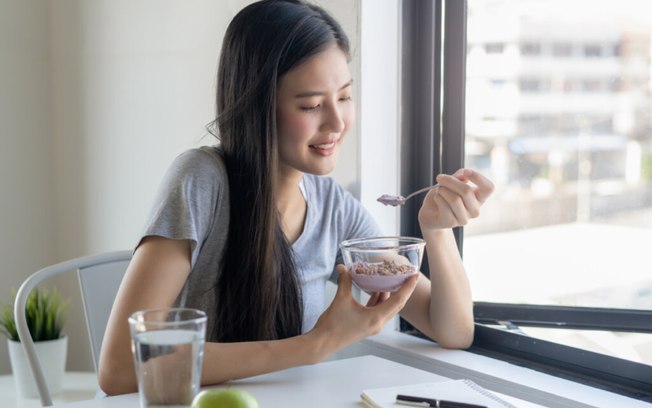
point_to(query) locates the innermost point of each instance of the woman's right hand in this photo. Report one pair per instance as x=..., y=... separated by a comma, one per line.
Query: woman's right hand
x=346, y=321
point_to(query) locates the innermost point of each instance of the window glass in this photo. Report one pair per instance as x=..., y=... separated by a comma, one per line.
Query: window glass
x=560, y=117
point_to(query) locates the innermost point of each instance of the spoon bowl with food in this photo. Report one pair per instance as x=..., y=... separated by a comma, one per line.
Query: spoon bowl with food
x=397, y=200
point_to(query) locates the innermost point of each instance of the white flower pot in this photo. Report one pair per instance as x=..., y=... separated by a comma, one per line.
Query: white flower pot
x=52, y=356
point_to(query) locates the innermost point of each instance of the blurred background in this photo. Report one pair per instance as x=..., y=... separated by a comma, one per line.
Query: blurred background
x=559, y=115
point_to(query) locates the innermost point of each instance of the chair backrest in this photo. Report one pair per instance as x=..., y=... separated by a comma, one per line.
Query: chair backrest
x=99, y=284
x=99, y=278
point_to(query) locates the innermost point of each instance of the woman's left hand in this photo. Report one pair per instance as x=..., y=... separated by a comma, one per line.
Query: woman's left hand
x=457, y=200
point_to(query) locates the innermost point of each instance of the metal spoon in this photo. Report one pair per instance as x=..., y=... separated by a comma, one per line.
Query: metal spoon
x=396, y=200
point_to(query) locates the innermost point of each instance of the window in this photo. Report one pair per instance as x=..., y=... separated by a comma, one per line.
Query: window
x=530, y=49
x=494, y=48
x=592, y=50
x=558, y=260
x=533, y=85
x=591, y=85
x=562, y=49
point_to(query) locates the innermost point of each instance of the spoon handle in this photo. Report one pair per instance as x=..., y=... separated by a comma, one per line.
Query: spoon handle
x=421, y=191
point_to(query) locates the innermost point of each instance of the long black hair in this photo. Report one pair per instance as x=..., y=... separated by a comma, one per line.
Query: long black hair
x=258, y=292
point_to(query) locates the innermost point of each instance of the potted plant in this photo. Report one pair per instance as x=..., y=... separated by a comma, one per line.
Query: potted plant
x=45, y=311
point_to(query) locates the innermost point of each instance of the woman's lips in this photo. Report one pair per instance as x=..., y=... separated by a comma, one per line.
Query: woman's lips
x=324, y=149
x=324, y=145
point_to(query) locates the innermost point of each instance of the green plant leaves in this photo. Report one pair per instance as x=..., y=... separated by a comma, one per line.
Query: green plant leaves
x=7, y=323
x=45, y=312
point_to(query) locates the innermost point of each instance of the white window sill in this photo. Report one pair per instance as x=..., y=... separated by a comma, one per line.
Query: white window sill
x=496, y=375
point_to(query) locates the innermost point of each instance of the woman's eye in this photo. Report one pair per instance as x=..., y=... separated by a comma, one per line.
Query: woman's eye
x=310, y=108
x=317, y=107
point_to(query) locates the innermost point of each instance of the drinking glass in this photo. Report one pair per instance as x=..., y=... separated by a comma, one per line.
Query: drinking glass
x=168, y=349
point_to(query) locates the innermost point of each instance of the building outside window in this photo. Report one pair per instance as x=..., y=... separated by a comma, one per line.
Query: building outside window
x=561, y=120
x=571, y=220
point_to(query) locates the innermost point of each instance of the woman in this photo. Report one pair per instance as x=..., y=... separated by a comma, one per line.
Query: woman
x=248, y=230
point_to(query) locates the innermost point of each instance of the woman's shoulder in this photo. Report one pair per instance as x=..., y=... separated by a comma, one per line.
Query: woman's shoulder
x=202, y=166
x=205, y=161
x=204, y=156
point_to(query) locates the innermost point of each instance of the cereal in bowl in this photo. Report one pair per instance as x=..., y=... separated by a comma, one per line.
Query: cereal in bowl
x=384, y=268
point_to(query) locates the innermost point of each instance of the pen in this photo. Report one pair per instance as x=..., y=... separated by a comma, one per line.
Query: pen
x=432, y=402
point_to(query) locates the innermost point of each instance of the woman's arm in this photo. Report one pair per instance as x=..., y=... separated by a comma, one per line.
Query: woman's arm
x=155, y=278
x=344, y=322
x=442, y=308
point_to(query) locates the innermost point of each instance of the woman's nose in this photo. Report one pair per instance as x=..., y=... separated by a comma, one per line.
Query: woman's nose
x=333, y=119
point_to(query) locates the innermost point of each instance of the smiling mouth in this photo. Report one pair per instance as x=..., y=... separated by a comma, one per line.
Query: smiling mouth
x=324, y=146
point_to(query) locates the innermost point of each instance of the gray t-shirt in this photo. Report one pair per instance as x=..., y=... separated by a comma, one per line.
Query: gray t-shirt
x=193, y=204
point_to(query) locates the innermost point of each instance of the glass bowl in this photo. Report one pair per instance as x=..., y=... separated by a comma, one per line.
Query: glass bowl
x=382, y=264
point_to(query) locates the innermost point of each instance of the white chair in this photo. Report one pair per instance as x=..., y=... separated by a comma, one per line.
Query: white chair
x=99, y=278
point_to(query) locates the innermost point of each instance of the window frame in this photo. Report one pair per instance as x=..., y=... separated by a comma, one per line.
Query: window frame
x=432, y=123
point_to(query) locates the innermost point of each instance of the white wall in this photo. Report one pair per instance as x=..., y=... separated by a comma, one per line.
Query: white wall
x=132, y=86
x=378, y=113
x=96, y=98
x=27, y=210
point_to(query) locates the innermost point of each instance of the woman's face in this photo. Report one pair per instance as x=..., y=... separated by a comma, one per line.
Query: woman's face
x=314, y=112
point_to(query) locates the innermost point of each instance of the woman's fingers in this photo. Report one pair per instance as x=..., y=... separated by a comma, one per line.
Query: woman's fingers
x=343, y=282
x=465, y=191
x=383, y=297
x=394, y=304
x=458, y=185
x=377, y=298
x=374, y=299
x=460, y=198
x=456, y=205
x=484, y=186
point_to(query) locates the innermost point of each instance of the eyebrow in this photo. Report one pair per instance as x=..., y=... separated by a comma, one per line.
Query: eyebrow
x=309, y=94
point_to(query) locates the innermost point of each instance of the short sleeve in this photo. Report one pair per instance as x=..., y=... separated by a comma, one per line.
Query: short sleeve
x=187, y=199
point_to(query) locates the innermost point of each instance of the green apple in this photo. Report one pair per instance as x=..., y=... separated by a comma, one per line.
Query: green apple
x=229, y=398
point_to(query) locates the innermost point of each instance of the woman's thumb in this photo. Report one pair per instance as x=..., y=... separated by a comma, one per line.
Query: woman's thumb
x=343, y=281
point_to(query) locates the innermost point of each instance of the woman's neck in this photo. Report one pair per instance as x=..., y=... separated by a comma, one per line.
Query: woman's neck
x=291, y=206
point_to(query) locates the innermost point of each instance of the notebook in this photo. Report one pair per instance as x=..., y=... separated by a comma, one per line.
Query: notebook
x=453, y=390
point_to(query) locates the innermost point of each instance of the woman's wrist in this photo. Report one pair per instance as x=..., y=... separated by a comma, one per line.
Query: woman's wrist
x=441, y=247
x=435, y=235
x=318, y=346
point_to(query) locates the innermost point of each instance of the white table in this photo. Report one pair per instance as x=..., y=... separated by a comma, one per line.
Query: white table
x=330, y=384
x=76, y=386
x=392, y=359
